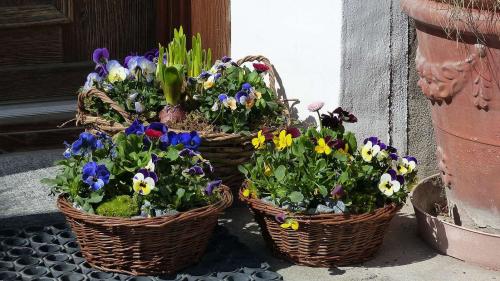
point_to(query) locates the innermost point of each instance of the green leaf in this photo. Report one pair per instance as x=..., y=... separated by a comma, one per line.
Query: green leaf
x=243, y=170
x=172, y=154
x=180, y=192
x=95, y=197
x=344, y=177
x=280, y=173
x=296, y=197
x=350, y=138
x=323, y=191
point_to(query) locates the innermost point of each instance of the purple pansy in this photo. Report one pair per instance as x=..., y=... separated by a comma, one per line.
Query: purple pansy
x=136, y=128
x=337, y=192
x=86, y=143
x=195, y=171
x=96, y=176
x=211, y=186
x=241, y=97
x=280, y=217
x=100, y=55
x=246, y=87
x=186, y=152
x=225, y=59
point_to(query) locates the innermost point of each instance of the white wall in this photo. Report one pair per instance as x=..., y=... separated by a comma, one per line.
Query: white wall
x=301, y=38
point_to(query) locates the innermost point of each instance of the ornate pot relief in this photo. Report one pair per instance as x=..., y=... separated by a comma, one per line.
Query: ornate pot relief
x=441, y=81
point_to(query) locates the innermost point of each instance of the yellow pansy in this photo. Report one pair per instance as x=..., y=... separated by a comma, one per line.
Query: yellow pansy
x=283, y=140
x=143, y=185
x=246, y=192
x=322, y=147
x=259, y=141
x=208, y=84
x=231, y=102
x=290, y=223
x=117, y=74
x=258, y=95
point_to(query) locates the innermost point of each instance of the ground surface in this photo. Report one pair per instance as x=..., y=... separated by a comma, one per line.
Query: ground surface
x=403, y=255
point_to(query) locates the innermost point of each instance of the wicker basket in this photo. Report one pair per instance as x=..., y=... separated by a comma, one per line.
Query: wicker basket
x=149, y=246
x=324, y=240
x=225, y=150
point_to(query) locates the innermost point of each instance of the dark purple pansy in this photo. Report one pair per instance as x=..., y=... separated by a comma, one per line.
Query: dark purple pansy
x=268, y=134
x=204, y=75
x=195, y=171
x=217, y=76
x=393, y=156
x=225, y=59
x=101, y=70
x=151, y=54
x=147, y=173
x=211, y=186
x=100, y=55
x=280, y=217
x=373, y=140
x=293, y=131
x=186, y=152
x=337, y=192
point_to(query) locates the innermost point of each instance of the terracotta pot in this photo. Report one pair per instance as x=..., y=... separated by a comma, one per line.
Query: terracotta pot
x=461, y=78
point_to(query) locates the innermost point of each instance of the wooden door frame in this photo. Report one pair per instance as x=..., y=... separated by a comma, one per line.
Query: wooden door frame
x=212, y=19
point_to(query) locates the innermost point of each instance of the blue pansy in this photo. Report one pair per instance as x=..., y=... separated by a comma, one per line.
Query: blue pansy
x=170, y=138
x=86, y=143
x=204, y=75
x=211, y=186
x=246, y=87
x=222, y=97
x=217, y=76
x=136, y=128
x=96, y=176
x=190, y=140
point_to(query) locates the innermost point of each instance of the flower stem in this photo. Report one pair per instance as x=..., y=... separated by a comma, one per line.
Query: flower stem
x=319, y=120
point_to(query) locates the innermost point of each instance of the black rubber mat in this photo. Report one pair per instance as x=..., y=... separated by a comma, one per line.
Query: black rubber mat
x=52, y=253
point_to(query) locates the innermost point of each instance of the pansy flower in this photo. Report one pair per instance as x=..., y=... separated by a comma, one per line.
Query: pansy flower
x=246, y=87
x=231, y=103
x=390, y=183
x=258, y=95
x=155, y=130
x=194, y=171
x=293, y=131
x=209, y=83
x=283, y=140
x=204, y=75
x=100, y=55
x=337, y=192
x=190, y=140
x=211, y=186
x=241, y=97
x=322, y=147
x=170, y=138
x=259, y=141
x=92, y=78
x=260, y=67
x=96, y=176
x=144, y=182
x=225, y=59
x=136, y=128
x=370, y=149
x=152, y=163
x=407, y=165
x=186, y=152
x=116, y=72
x=290, y=223
x=85, y=144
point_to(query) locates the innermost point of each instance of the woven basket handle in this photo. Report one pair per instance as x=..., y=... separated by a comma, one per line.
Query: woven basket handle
x=104, y=98
x=289, y=103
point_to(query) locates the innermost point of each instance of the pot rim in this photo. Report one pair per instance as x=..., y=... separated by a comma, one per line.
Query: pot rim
x=435, y=13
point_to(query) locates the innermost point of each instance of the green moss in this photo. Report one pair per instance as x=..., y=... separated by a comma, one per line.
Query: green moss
x=119, y=206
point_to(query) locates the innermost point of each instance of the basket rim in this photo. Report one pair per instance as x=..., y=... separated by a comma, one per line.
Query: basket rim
x=327, y=218
x=225, y=200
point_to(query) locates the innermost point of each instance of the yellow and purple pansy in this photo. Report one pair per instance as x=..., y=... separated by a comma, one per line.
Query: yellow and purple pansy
x=406, y=165
x=371, y=148
x=390, y=183
x=144, y=181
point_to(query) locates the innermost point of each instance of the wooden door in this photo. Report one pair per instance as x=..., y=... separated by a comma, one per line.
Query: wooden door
x=46, y=48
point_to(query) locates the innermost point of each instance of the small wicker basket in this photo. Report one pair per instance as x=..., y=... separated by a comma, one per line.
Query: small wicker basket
x=225, y=150
x=148, y=246
x=324, y=240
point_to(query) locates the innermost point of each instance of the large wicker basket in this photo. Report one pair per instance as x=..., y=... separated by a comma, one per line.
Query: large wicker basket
x=148, y=246
x=324, y=240
x=225, y=150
